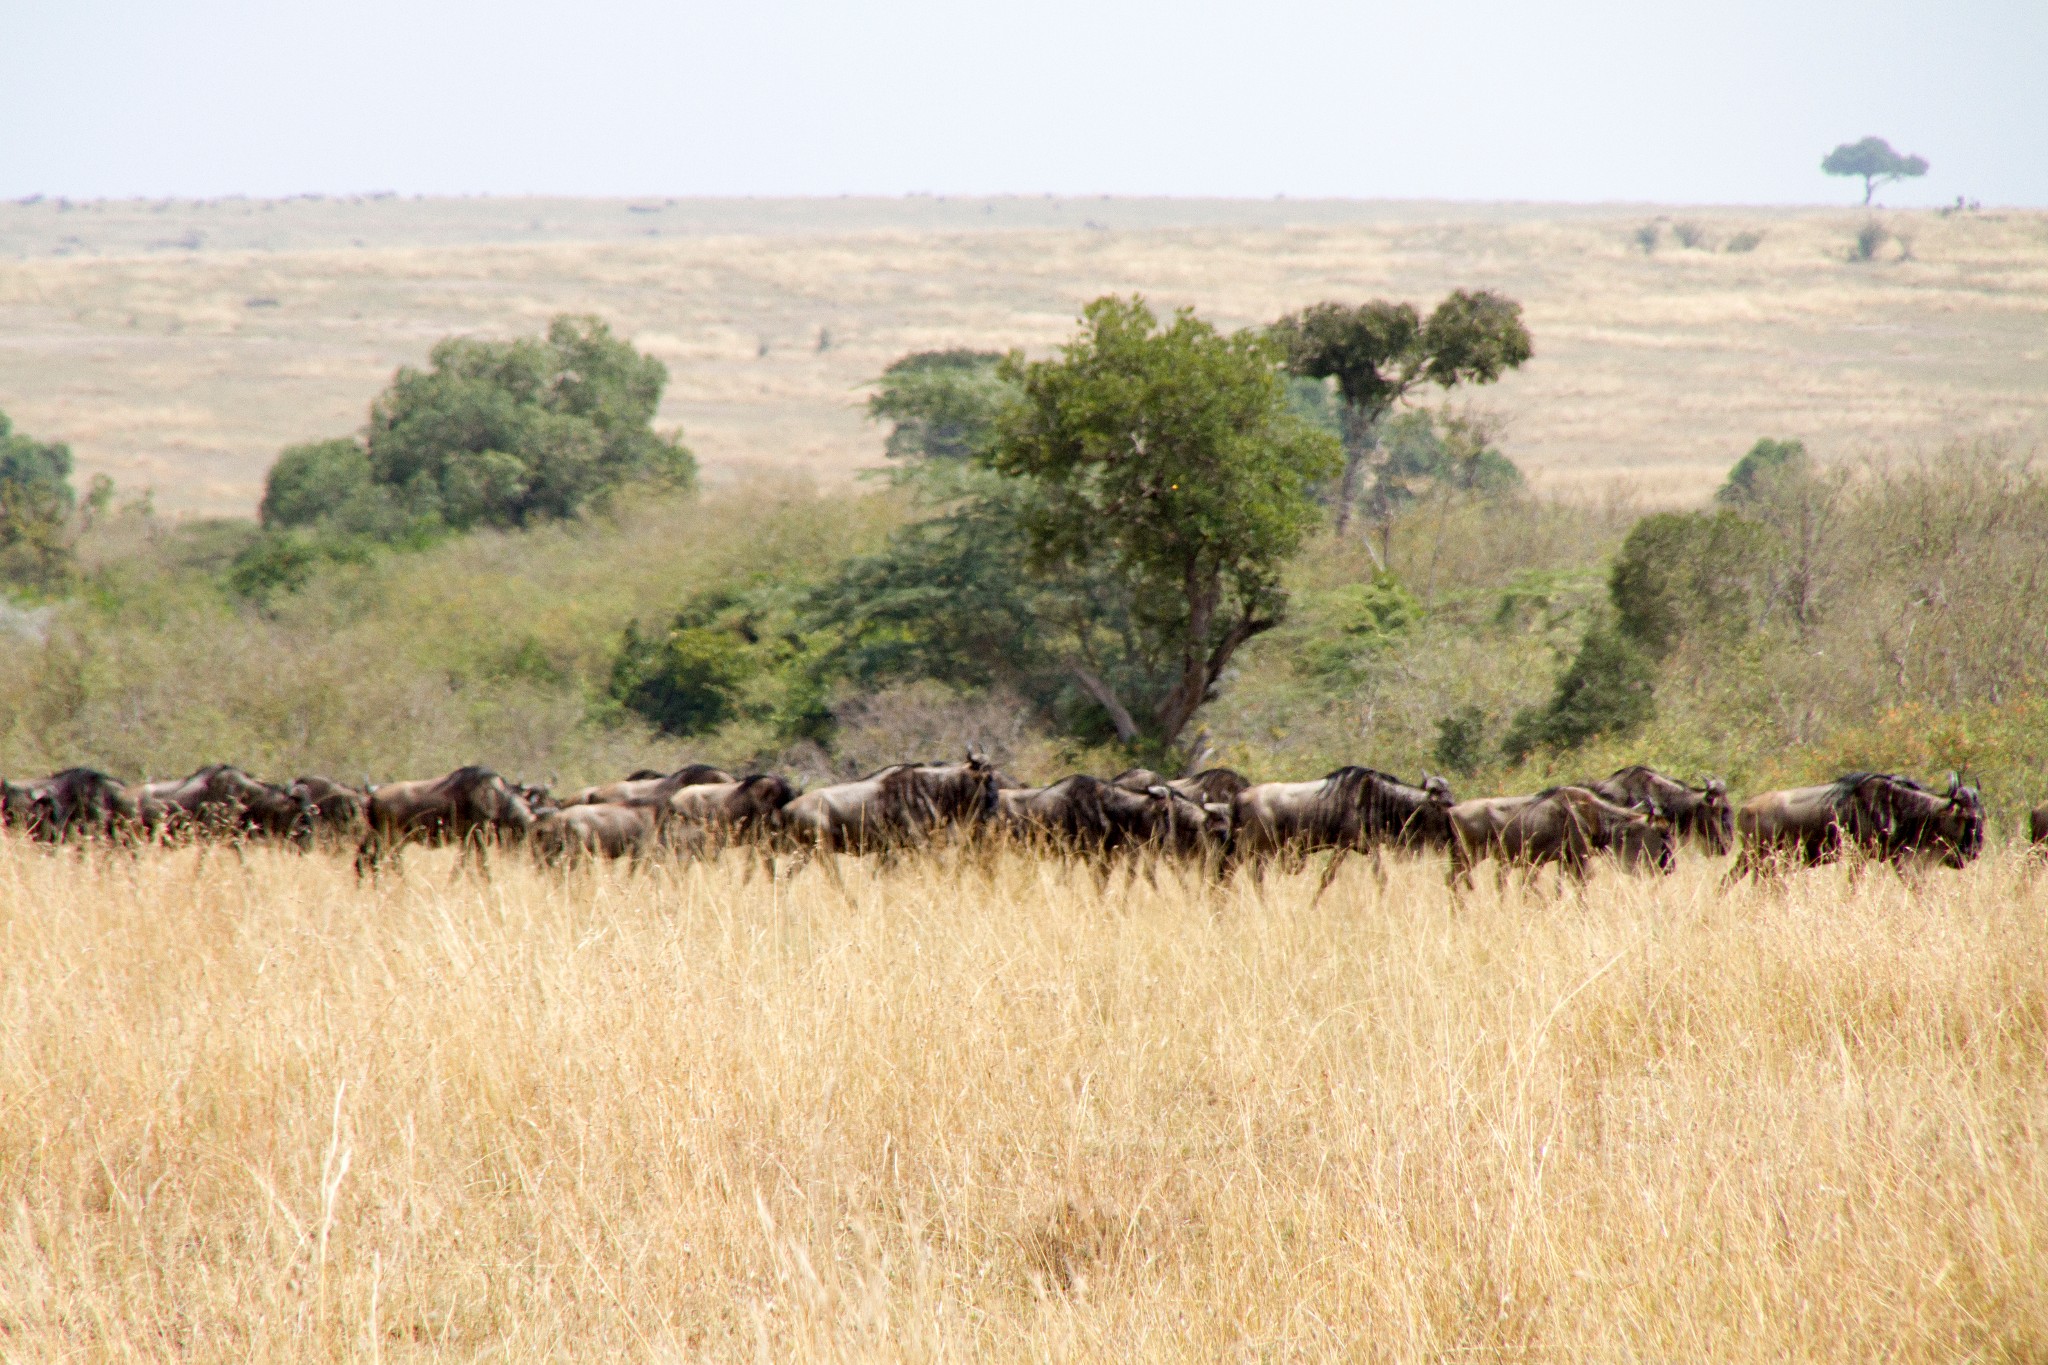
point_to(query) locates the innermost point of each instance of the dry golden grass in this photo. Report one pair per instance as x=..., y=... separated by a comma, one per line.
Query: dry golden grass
x=1661, y=368
x=255, y=1112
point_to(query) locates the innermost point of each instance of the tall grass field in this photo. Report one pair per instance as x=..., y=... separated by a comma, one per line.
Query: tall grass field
x=253, y=1110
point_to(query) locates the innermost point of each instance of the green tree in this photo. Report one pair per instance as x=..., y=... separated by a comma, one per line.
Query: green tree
x=941, y=405
x=1167, y=458
x=1874, y=160
x=1609, y=688
x=36, y=503
x=1380, y=352
x=492, y=433
x=1680, y=574
x=1768, y=463
x=329, y=484
x=729, y=654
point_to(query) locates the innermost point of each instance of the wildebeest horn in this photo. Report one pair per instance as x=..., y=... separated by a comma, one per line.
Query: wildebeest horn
x=1955, y=783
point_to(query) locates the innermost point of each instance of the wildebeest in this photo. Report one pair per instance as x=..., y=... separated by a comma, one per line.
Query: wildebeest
x=603, y=829
x=2037, y=825
x=339, y=810
x=708, y=816
x=1948, y=828
x=1702, y=813
x=1562, y=825
x=1808, y=825
x=893, y=808
x=76, y=801
x=1210, y=786
x=648, y=785
x=1168, y=821
x=468, y=807
x=222, y=801
x=1350, y=810
x=1066, y=816
x=1093, y=818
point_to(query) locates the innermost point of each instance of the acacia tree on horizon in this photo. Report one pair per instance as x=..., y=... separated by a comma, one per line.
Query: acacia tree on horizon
x=1874, y=160
x=1379, y=352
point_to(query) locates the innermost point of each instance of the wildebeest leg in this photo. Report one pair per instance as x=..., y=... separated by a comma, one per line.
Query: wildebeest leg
x=1379, y=867
x=1330, y=873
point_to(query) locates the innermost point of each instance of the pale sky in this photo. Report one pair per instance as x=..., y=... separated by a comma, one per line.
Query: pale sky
x=1712, y=101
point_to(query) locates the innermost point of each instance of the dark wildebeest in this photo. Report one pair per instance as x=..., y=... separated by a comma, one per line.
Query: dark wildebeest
x=897, y=807
x=603, y=829
x=1210, y=786
x=223, y=801
x=1351, y=810
x=2037, y=826
x=1702, y=813
x=1065, y=817
x=76, y=801
x=1167, y=821
x=709, y=816
x=648, y=785
x=1948, y=828
x=467, y=807
x=1096, y=819
x=339, y=810
x=1562, y=825
x=1808, y=825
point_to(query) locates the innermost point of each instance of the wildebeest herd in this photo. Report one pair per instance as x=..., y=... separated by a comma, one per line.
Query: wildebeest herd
x=1216, y=820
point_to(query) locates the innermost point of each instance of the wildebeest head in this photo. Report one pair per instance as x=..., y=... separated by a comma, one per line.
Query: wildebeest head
x=1650, y=842
x=1962, y=824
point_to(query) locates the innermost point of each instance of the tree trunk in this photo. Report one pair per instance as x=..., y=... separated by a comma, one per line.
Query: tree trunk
x=1360, y=432
x=1105, y=697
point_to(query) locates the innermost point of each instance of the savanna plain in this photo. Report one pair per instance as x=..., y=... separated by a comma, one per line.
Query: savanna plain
x=990, y=1107
x=257, y=1111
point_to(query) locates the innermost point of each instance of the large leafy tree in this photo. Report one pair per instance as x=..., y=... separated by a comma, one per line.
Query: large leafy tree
x=1166, y=458
x=36, y=502
x=1874, y=161
x=491, y=433
x=1380, y=352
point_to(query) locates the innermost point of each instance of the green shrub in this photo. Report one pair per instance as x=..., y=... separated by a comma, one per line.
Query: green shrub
x=1870, y=239
x=36, y=502
x=1768, y=463
x=731, y=654
x=1747, y=240
x=1609, y=689
x=1460, y=747
x=492, y=433
x=1681, y=573
x=1345, y=626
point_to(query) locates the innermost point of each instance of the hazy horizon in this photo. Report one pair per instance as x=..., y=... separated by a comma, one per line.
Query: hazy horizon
x=1484, y=101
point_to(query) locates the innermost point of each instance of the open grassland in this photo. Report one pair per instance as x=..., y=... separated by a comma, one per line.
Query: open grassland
x=180, y=345
x=254, y=1111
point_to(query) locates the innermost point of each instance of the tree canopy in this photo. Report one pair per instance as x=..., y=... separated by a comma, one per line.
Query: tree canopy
x=1379, y=352
x=941, y=405
x=1874, y=160
x=1768, y=461
x=491, y=433
x=36, y=503
x=1169, y=455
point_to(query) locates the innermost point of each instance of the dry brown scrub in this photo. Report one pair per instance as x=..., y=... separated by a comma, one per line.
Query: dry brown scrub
x=1663, y=367
x=255, y=1112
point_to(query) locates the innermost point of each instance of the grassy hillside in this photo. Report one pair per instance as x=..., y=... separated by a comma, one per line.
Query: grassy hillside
x=1926, y=649
x=187, y=367
x=259, y=1112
